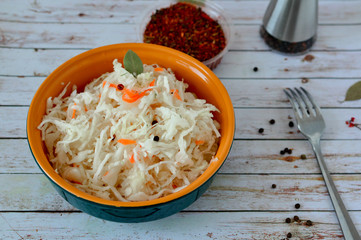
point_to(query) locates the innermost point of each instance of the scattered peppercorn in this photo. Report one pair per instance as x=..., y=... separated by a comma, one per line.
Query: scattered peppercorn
x=120, y=86
x=291, y=124
x=282, y=152
x=156, y=138
x=288, y=220
x=309, y=223
x=154, y=122
x=289, y=235
x=274, y=185
x=255, y=69
x=296, y=218
x=272, y=121
x=303, y=157
x=286, y=150
x=289, y=151
x=261, y=130
x=297, y=205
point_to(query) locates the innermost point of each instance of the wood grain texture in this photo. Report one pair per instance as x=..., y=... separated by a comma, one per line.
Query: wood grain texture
x=185, y=225
x=234, y=65
x=33, y=192
x=259, y=93
x=36, y=36
x=245, y=37
x=109, y=11
x=245, y=157
x=248, y=121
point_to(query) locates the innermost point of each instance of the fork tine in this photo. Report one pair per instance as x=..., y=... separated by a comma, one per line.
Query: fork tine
x=301, y=104
x=305, y=101
x=314, y=105
x=293, y=102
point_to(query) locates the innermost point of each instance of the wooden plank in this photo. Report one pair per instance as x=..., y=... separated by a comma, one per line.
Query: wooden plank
x=184, y=225
x=245, y=157
x=18, y=90
x=243, y=92
x=234, y=65
x=228, y=192
x=15, y=157
x=263, y=157
x=246, y=37
x=269, y=93
x=248, y=121
x=272, y=65
x=240, y=12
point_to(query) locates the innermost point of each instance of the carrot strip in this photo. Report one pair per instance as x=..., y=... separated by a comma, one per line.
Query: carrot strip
x=106, y=173
x=126, y=141
x=158, y=69
x=175, y=93
x=127, y=98
x=112, y=85
x=199, y=142
x=152, y=83
x=130, y=93
x=131, y=159
x=132, y=96
x=85, y=109
x=73, y=116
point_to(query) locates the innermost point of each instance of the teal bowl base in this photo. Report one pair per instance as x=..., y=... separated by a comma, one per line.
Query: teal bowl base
x=133, y=214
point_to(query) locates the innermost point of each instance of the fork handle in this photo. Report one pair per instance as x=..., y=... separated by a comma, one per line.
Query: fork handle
x=348, y=228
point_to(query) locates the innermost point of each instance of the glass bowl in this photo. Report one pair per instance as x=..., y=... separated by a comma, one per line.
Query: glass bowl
x=213, y=10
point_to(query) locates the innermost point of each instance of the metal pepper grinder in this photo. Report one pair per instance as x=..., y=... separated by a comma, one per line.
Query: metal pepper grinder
x=290, y=26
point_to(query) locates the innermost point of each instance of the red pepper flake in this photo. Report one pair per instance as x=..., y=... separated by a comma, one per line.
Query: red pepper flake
x=351, y=123
x=187, y=28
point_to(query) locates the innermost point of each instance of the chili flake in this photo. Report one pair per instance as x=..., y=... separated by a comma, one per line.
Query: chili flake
x=187, y=28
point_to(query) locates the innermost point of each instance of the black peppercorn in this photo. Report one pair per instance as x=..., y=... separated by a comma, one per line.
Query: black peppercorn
x=282, y=152
x=289, y=235
x=291, y=124
x=255, y=69
x=308, y=223
x=303, y=156
x=154, y=122
x=289, y=151
x=261, y=130
x=297, y=205
x=274, y=185
x=296, y=218
x=156, y=138
x=272, y=121
x=288, y=220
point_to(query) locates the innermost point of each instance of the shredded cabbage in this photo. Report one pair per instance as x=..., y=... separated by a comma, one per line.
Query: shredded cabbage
x=170, y=135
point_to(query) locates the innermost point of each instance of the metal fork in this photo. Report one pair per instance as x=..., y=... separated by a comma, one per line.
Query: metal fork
x=311, y=124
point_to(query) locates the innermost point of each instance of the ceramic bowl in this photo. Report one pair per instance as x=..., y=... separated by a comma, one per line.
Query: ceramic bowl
x=89, y=65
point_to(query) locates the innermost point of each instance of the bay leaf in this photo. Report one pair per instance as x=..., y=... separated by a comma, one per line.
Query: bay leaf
x=132, y=63
x=354, y=92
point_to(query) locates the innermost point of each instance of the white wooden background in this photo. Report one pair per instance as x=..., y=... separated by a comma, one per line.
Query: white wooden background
x=36, y=36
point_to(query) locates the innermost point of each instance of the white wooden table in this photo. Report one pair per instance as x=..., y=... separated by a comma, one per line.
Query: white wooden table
x=36, y=36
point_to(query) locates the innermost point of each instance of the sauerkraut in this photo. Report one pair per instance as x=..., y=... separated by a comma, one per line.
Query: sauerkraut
x=130, y=138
